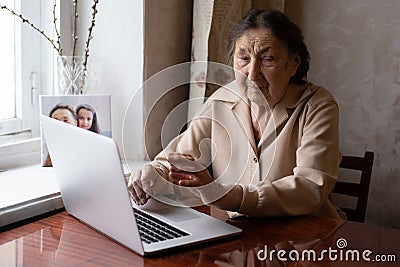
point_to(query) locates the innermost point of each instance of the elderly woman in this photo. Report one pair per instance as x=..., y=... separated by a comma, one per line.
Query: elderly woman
x=264, y=145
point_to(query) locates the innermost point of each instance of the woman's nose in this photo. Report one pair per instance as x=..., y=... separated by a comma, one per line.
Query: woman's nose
x=254, y=71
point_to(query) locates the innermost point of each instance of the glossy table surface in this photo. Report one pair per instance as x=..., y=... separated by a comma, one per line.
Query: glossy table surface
x=61, y=240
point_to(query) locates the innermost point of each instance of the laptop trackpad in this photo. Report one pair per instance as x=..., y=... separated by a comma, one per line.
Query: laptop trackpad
x=177, y=214
x=173, y=213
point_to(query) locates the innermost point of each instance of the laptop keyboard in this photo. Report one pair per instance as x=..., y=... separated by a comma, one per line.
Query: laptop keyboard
x=154, y=230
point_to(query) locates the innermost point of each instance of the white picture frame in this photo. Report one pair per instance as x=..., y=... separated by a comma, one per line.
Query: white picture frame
x=99, y=103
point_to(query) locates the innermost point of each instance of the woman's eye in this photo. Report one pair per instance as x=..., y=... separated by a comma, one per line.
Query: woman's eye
x=267, y=58
x=268, y=61
x=243, y=60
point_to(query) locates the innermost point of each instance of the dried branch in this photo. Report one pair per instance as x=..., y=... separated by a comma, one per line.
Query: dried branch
x=56, y=28
x=74, y=36
x=74, y=33
x=25, y=20
x=90, y=36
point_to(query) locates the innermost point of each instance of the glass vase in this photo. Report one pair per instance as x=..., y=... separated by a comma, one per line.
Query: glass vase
x=73, y=75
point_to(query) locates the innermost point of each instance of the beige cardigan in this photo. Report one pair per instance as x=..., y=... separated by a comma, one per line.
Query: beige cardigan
x=298, y=164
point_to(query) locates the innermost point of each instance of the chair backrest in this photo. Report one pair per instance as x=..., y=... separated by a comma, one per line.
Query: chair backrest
x=359, y=190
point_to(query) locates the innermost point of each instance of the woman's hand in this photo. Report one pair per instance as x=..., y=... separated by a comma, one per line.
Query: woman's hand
x=146, y=183
x=135, y=187
x=185, y=171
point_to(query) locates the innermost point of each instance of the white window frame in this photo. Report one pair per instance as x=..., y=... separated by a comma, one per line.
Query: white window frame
x=26, y=63
x=20, y=137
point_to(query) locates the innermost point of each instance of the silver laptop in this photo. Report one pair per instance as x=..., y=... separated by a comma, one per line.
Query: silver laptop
x=92, y=184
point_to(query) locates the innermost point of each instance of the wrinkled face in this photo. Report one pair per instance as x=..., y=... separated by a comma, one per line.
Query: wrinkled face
x=64, y=115
x=264, y=60
x=85, y=119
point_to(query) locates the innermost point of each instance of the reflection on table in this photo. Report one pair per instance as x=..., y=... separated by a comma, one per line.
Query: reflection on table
x=61, y=240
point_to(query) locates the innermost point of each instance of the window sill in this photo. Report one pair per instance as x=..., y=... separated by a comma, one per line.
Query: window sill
x=31, y=191
x=27, y=192
x=19, y=154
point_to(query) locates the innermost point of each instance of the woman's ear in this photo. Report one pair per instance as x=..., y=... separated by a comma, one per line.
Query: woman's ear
x=294, y=64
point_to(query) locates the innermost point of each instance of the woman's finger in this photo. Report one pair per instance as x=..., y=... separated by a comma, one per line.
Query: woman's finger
x=140, y=197
x=135, y=188
x=188, y=183
x=180, y=176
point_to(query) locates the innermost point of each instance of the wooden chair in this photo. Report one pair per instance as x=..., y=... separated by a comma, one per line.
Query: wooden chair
x=359, y=190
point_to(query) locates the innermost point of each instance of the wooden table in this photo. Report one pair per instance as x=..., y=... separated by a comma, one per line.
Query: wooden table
x=61, y=240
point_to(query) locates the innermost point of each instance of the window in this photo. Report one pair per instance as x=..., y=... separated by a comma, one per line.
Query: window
x=7, y=68
x=28, y=191
x=19, y=72
x=19, y=76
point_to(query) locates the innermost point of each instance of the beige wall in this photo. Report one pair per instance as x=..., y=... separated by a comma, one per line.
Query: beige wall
x=355, y=53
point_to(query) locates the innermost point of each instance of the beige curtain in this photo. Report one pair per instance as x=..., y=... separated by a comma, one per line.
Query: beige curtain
x=212, y=21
